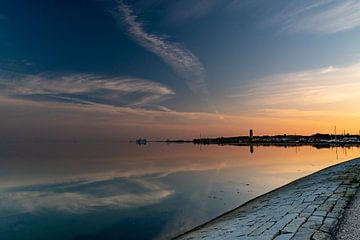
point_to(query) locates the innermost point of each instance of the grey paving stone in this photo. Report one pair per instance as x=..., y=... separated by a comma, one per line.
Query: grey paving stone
x=327, y=206
x=318, y=235
x=305, y=214
x=285, y=236
x=310, y=209
x=316, y=219
x=320, y=213
x=278, y=226
x=329, y=224
x=262, y=228
x=303, y=234
x=294, y=225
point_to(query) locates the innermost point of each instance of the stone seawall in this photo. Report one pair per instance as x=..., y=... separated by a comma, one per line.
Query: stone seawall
x=308, y=209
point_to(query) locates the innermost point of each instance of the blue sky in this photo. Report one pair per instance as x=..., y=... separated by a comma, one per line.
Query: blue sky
x=177, y=67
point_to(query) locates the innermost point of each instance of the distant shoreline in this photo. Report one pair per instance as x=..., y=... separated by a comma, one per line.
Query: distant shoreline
x=283, y=144
x=277, y=140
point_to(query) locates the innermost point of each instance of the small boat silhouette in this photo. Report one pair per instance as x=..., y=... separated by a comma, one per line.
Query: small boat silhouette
x=141, y=141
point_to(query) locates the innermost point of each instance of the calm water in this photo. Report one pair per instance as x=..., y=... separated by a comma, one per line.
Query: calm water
x=124, y=191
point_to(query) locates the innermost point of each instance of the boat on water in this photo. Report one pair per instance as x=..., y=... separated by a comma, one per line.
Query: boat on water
x=141, y=141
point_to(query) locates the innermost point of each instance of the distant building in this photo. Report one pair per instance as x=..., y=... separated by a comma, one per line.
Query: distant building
x=251, y=133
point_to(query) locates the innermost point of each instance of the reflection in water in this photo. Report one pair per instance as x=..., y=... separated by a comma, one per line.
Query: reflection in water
x=82, y=196
x=120, y=190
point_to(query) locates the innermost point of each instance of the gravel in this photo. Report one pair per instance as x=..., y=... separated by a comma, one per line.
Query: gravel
x=350, y=225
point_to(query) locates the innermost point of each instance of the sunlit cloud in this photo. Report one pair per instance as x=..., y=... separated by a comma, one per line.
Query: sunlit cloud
x=181, y=60
x=315, y=99
x=319, y=89
x=84, y=89
x=323, y=17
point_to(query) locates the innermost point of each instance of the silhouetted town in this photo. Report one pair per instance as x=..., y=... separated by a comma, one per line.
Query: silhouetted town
x=318, y=139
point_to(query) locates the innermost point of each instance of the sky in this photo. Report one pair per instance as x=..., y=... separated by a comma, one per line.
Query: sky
x=117, y=69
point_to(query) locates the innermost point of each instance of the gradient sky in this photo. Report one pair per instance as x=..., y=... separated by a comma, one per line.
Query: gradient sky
x=159, y=69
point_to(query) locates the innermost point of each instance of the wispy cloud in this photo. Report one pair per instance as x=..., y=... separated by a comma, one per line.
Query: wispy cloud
x=186, y=10
x=330, y=88
x=181, y=60
x=84, y=89
x=323, y=17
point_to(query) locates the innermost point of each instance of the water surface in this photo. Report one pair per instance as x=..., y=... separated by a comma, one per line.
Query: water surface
x=119, y=190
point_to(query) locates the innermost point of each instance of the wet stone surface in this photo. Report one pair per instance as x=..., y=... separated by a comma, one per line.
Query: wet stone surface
x=307, y=209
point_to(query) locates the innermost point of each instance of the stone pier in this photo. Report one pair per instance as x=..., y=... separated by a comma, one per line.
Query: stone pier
x=307, y=209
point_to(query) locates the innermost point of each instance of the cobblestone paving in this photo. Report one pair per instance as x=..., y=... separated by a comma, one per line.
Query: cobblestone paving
x=309, y=208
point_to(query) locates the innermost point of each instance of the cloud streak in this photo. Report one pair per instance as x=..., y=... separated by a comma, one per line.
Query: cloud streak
x=184, y=11
x=84, y=89
x=323, y=17
x=330, y=87
x=180, y=59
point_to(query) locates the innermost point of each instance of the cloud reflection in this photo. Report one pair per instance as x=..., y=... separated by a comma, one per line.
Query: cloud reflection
x=82, y=196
